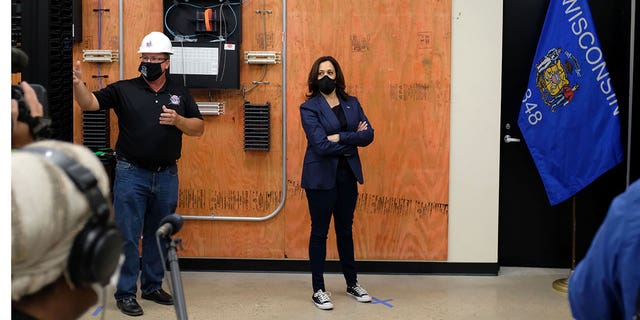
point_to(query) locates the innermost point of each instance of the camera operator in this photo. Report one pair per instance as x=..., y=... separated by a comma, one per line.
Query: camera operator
x=28, y=117
x=27, y=120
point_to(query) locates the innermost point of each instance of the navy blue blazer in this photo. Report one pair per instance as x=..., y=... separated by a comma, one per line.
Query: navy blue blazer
x=321, y=158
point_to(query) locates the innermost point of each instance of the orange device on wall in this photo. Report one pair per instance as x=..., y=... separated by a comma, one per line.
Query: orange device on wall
x=207, y=19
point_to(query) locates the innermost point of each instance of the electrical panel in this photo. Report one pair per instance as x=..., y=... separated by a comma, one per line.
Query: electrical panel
x=206, y=38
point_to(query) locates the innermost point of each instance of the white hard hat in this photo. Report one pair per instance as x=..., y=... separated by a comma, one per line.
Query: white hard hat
x=156, y=42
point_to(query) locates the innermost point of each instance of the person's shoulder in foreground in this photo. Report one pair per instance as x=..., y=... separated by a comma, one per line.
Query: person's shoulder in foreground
x=606, y=283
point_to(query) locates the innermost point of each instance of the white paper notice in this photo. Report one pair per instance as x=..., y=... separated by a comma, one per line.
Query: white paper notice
x=194, y=60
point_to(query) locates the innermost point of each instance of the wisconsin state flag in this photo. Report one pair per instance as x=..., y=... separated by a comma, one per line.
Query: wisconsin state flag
x=569, y=115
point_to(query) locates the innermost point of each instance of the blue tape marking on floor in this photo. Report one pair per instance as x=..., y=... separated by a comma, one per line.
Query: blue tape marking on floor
x=375, y=300
x=97, y=311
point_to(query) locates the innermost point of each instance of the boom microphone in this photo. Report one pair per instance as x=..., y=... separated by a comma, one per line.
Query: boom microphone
x=170, y=225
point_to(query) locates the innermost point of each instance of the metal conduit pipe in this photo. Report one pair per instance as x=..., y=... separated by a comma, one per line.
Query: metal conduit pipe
x=284, y=139
x=121, y=38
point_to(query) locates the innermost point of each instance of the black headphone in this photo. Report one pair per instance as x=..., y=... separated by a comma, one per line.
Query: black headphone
x=96, y=250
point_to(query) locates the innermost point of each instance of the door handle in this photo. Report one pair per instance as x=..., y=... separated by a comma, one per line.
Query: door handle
x=509, y=139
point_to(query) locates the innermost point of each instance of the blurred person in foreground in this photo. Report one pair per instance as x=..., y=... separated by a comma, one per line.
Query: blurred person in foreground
x=65, y=248
x=606, y=283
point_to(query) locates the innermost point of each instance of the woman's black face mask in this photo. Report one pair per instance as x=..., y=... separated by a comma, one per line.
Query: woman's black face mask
x=326, y=85
x=150, y=70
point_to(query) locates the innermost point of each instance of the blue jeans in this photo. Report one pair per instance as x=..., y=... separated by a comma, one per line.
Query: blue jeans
x=141, y=198
x=341, y=203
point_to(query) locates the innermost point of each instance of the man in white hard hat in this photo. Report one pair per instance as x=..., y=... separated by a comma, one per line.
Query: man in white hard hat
x=153, y=113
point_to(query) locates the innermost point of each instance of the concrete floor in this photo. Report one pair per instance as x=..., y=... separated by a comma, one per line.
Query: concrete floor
x=516, y=293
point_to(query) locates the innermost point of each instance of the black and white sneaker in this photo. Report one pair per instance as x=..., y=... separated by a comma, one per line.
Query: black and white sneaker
x=321, y=300
x=358, y=293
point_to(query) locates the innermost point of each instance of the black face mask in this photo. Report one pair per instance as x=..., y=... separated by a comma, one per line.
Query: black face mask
x=326, y=85
x=150, y=71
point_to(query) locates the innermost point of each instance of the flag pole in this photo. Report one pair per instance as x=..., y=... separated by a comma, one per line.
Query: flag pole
x=562, y=285
x=631, y=72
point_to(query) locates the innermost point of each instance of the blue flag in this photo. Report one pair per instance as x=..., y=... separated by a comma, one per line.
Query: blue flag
x=569, y=115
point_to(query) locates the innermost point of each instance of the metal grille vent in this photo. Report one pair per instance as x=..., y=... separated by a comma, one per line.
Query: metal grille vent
x=256, y=126
x=96, y=129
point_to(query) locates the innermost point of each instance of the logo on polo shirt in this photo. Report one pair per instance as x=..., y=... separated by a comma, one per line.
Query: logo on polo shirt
x=175, y=99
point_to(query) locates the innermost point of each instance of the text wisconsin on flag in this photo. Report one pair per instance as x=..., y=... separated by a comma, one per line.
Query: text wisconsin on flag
x=569, y=115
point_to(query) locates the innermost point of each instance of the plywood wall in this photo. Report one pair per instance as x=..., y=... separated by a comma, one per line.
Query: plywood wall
x=396, y=59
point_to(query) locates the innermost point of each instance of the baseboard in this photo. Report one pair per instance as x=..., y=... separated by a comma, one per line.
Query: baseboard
x=365, y=266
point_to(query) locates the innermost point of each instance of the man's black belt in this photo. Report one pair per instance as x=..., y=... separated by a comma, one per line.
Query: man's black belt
x=153, y=168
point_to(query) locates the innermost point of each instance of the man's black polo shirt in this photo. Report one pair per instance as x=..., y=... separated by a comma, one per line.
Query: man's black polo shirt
x=142, y=139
